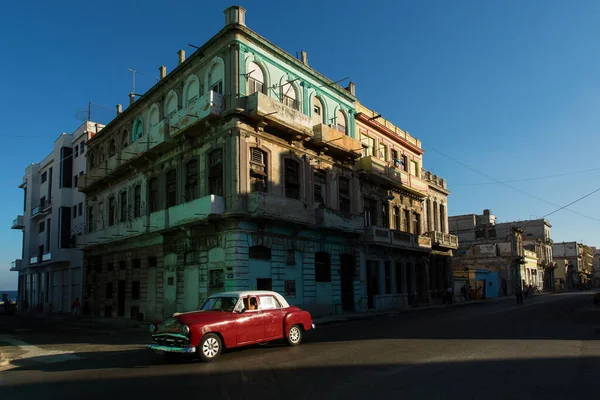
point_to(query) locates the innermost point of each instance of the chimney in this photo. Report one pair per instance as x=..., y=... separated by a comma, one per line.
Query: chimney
x=181, y=54
x=304, y=57
x=131, y=98
x=119, y=109
x=235, y=15
x=163, y=71
x=351, y=88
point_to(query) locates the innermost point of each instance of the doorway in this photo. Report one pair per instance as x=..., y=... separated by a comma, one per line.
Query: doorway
x=347, y=282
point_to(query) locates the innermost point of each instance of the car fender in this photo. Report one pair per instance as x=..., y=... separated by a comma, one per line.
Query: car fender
x=301, y=318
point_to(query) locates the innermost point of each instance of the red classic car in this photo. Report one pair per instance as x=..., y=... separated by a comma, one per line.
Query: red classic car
x=231, y=319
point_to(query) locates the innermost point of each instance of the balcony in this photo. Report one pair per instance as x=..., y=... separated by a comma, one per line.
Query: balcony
x=16, y=265
x=386, y=174
x=263, y=108
x=44, y=208
x=18, y=223
x=182, y=214
x=34, y=260
x=207, y=106
x=46, y=257
x=270, y=206
x=328, y=218
x=445, y=240
x=392, y=238
x=335, y=141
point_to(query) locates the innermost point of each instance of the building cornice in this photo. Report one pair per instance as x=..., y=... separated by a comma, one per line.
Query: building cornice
x=388, y=132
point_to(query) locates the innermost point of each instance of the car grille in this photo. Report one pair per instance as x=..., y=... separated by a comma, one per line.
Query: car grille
x=171, y=341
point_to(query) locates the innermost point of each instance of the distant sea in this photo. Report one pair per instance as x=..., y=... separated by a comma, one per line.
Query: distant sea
x=12, y=294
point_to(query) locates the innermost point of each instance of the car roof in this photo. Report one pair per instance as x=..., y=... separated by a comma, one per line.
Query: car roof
x=242, y=293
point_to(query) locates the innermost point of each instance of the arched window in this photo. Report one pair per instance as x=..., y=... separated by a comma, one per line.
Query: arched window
x=289, y=97
x=256, y=79
x=154, y=117
x=191, y=91
x=112, y=148
x=124, y=139
x=138, y=130
x=341, y=122
x=172, y=103
x=215, y=80
x=317, y=111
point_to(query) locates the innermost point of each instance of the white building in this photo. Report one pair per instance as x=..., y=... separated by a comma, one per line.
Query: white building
x=50, y=269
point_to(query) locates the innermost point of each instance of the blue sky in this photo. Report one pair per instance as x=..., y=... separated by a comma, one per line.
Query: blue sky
x=505, y=89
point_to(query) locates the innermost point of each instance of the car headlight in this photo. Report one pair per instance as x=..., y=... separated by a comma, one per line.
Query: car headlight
x=185, y=329
x=152, y=328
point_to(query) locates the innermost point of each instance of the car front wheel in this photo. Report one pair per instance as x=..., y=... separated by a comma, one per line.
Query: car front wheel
x=294, y=336
x=210, y=347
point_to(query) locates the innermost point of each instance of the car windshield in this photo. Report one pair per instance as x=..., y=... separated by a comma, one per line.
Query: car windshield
x=219, y=304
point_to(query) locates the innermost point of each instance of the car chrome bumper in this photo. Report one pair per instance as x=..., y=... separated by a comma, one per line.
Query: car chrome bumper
x=161, y=348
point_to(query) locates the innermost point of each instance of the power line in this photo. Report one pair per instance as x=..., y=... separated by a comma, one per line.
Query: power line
x=573, y=202
x=510, y=186
x=526, y=179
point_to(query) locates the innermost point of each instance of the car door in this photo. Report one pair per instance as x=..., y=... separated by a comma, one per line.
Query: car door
x=273, y=315
x=250, y=326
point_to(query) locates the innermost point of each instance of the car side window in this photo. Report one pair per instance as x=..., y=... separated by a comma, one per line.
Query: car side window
x=269, y=303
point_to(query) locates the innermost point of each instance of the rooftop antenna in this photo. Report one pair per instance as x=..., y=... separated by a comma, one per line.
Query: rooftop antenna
x=133, y=71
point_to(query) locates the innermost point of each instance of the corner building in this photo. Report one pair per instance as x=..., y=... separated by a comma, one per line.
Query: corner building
x=240, y=169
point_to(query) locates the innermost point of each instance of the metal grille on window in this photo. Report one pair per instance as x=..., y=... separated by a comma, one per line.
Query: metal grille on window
x=216, y=172
x=292, y=179
x=258, y=170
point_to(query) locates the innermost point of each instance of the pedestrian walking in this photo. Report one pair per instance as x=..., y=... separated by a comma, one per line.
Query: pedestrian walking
x=449, y=294
x=519, y=293
x=76, y=307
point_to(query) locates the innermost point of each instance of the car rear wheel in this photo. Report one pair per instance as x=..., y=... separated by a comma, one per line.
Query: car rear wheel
x=294, y=336
x=210, y=347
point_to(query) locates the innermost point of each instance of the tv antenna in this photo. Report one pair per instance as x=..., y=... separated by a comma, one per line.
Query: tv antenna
x=133, y=72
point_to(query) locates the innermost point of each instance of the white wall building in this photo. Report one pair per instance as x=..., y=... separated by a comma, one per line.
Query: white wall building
x=50, y=269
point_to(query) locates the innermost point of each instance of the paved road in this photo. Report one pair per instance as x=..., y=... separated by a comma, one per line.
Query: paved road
x=547, y=348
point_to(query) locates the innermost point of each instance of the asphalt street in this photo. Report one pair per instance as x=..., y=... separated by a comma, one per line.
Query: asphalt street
x=547, y=348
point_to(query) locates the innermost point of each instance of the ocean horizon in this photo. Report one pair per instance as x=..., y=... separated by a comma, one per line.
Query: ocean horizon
x=12, y=294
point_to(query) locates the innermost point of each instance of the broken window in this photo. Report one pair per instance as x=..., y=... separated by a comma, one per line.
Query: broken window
x=255, y=79
x=191, y=183
x=258, y=170
x=215, y=174
x=320, y=186
x=171, y=188
x=341, y=122
x=112, y=211
x=292, y=179
x=289, y=96
x=123, y=207
x=112, y=148
x=153, y=195
x=344, y=194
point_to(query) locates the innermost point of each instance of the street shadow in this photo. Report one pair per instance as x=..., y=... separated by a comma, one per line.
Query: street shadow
x=469, y=379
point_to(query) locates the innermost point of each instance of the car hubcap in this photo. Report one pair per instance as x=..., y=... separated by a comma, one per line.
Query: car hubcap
x=294, y=334
x=210, y=347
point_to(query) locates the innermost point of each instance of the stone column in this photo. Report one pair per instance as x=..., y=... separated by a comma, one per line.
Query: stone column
x=404, y=283
x=413, y=278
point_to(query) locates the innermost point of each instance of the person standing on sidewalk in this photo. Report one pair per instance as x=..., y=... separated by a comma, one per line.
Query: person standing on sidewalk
x=450, y=295
x=519, y=293
x=76, y=307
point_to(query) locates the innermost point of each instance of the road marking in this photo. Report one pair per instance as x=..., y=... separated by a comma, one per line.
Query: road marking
x=41, y=355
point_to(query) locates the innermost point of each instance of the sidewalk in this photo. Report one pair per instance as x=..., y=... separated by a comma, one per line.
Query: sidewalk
x=348, y=317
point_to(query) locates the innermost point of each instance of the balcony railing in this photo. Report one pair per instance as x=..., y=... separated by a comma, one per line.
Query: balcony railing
x=445, y=240
x=210, y=104
x=16, y=265
x=328, y=218
x=336, y=141
x=42, y=209
x=262, y=107
x=270, y=206
x=393, y=238
x=384, y=173
x=34, y=260
x=46, y=257
x=18, y=223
